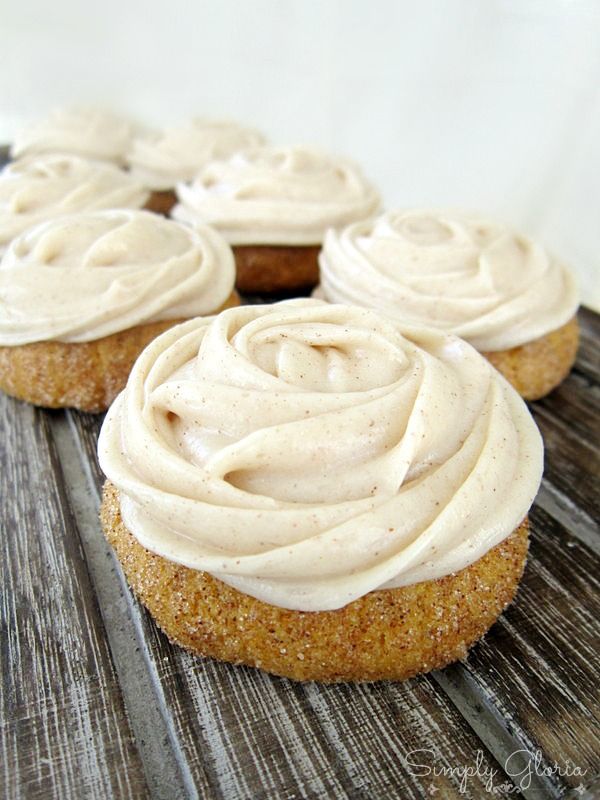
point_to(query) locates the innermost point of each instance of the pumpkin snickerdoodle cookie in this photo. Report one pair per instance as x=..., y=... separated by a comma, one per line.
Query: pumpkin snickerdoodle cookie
x=39, y=188
x=318, y=491
x=161, y=159
x=499, y=290
x=81, y=296
x=273, y=205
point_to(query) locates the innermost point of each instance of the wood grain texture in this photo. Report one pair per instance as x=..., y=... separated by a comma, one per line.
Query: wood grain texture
x=588, y=358
x=164, y=767
x=572, y=463
x=539, y=665
x=569, y=419
x=535, y=673
x=64, y=728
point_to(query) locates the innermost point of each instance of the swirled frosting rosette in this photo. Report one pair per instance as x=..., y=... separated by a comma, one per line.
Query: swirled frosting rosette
x=276, y=196
x=88, y=132
x=468, y=276
x=161, y=159
x=34, y=190
x=307, y=454
x=85, y=276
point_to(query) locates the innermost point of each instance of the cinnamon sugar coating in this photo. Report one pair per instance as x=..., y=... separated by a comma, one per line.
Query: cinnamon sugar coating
x=387, y=634
x=83, y=375
x=537, y=367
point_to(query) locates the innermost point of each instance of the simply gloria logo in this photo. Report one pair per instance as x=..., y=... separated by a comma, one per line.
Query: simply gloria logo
x=521, y=766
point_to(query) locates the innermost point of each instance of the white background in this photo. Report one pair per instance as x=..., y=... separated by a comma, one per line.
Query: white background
x=489, y=105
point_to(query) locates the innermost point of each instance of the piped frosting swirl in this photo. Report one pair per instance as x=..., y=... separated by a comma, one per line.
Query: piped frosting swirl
x=85, y=276
x=34, y=190
x=276, y=196
x=88, y=132
x=308, y=453
x=162, y=159
x=468, y=276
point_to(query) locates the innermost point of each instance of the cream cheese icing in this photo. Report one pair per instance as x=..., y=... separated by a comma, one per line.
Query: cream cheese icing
x=277, y=196
x=85, y=276
x=162, y=159
x=88, y=132
x=33, y=190
x=468, y=276
x=307, y=453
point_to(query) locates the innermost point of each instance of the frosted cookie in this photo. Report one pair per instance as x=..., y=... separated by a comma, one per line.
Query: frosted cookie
x=273, y=206
x=34, y=190
x=81, y=296
x=88, y=132
x=318, y=491
x=499, y=290
x=161, y=159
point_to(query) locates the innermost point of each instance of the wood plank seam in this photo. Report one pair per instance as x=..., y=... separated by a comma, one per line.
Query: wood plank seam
x=66, y=724
x=564, y=510
x=494, y=729
x=157, y=643
x=150, y=720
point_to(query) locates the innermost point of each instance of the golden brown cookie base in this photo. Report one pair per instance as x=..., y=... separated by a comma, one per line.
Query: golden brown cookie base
x=389, y=634
x=266, y=268
x=537, y=367
x=83, y=375
x=161, y=202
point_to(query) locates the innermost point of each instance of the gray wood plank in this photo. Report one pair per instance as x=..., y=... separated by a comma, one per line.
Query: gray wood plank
x=64, y=730
x=575, y=404
x=570, y=516
x=252, y=731
x=222, y=755
x=380, y=730
x=569, y=419
x=588, y=358
x=164, y=766
x=359, y=737
x=572, y=463
x=539, y=664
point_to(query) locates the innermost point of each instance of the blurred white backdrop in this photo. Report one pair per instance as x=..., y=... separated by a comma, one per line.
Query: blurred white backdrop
x=491, y=106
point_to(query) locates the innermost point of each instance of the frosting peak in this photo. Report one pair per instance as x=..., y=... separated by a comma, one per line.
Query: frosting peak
x=308, y=453
x=89, y=132
x=161, y=159
x=465, y=275
x=285, y=195
x=86, y=276
x=33, y=190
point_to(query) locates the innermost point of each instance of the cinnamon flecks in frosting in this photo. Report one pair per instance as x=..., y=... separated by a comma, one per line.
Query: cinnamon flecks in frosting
x=278, y=196
x=85, y=276
x=89, y=132
x=161, y=159
x=34, y=190
x=468, y=276
x=308, y=453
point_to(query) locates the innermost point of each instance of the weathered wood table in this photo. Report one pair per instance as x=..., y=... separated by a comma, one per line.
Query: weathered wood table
x=97, y=704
